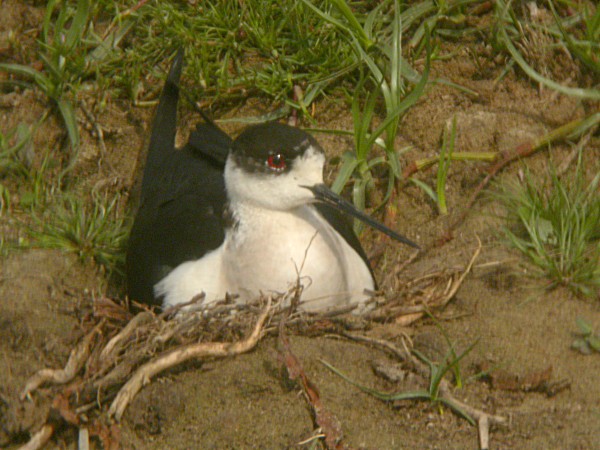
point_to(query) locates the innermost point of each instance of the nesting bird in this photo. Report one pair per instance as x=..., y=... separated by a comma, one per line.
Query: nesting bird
x=242, y=217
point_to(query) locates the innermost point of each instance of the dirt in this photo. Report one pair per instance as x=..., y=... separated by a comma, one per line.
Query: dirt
x=522, y=332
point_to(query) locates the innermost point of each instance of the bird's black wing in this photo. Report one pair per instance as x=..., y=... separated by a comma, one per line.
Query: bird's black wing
x=180, y=217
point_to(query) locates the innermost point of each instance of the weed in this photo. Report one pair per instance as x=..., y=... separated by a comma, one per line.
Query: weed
x=587, y=340
x=16, y=157
x=63, y=65
x=444, y=165
x=446, y=154
x=37, y=190
x=4, y=204
x=91, y=230
x=16, y=160
x=510, y=28
x=376, y=39
x=557, y=228
x=15, y=149
x=437, y=372
x=581, y=33
x=380, y=52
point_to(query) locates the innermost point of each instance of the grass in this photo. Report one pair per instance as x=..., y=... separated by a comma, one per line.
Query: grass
x=437, y=372
x=29, y=180
x=15, y=147
x=234, y=50
x=580, y=33
x=556, y=225
x=446, y=154
x=61, y=38
x=14, y=155
x=510, y=28
x=588, y=340
x=90, y=226
x=94, y=230
x=376, y=38
x=378, y=52
x=117, y=51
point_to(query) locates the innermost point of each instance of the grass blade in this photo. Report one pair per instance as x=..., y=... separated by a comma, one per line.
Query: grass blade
x=68, y=114
x=591, y=94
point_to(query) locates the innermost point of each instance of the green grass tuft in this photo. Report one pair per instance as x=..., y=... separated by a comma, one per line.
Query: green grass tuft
x=62, y=44
x=93, y=230
x=557, y=226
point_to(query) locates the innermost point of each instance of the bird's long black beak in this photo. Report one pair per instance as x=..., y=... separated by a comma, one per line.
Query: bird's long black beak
x=323, y=194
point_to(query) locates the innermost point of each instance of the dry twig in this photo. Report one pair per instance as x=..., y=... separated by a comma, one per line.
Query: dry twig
x=179, y=355
x=521, y=151
x=431, y=291
x=117, y=345
x=39, y=439
x=482, y=418
x=77, y=359
x=328, y=423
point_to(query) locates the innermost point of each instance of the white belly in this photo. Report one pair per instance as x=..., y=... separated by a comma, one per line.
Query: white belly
x=267, y=251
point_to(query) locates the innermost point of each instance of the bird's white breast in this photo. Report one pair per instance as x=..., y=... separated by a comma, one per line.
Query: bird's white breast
x=266, y=251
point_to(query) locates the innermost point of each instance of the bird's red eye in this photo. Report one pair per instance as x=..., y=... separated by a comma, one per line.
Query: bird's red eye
x=276, y=161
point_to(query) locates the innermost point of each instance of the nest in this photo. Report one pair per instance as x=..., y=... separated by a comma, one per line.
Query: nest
x=121, y=352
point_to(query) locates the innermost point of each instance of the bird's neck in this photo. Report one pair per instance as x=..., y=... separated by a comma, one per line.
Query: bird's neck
x=242, y=211
x=251, y=222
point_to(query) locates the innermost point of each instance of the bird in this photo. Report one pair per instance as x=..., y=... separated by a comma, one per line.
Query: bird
x=242, y=217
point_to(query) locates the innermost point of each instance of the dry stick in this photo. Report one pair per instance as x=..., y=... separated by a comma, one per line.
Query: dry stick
x=458, y=283
x=328, y=422
x=77, y=359
x=483, y=419
x=421, y=164
x=39, y=439
x=116, y=343
x=172, y=310
x=83, y=440
x=420, y=310
x=130, y=360
x=522, y=151
x=399, y=268
x=219, y=349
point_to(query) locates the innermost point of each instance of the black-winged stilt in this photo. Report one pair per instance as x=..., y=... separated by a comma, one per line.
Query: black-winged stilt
x=242, y=217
